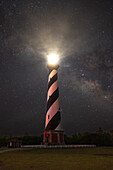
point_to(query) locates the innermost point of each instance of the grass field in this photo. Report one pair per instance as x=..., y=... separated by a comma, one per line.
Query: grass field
x=58, y=159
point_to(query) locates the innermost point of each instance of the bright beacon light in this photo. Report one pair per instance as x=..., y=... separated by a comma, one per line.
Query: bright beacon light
x=52, y=59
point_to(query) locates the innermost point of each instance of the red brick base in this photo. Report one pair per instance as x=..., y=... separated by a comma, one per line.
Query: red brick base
x=53, y=137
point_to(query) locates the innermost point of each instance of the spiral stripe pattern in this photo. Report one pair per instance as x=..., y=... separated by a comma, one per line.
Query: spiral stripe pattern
x=53, y=116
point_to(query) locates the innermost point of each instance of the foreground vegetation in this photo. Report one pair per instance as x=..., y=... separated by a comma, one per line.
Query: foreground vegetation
x=58, y=159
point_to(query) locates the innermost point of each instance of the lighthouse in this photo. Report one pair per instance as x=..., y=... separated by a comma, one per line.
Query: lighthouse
x=53, y=134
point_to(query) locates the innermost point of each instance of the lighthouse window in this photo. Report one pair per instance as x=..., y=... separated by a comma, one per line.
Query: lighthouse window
x=48, y=116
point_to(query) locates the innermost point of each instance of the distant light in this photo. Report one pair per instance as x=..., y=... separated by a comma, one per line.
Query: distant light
x=53, y=58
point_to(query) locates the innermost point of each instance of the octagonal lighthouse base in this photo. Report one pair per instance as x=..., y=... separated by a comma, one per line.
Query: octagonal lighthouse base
x=53, y=137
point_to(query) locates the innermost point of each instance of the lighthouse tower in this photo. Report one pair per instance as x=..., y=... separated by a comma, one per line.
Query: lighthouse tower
x=53, y=134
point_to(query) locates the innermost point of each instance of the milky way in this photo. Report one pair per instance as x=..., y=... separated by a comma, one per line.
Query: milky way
x=82, y=33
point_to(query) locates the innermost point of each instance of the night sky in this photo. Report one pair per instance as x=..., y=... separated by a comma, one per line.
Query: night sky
x=81, y=32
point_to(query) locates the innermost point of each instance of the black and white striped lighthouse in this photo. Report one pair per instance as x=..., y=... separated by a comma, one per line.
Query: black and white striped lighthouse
x=53, y=133
x=53, y=116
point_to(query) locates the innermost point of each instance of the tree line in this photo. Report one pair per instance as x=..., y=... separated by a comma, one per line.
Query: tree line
x=99, y=138
x=26, y=140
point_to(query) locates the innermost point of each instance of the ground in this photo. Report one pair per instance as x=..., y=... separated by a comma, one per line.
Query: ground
x=99, y=158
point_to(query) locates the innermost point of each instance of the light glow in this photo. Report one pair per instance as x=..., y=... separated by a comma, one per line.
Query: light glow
x=53, y=59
